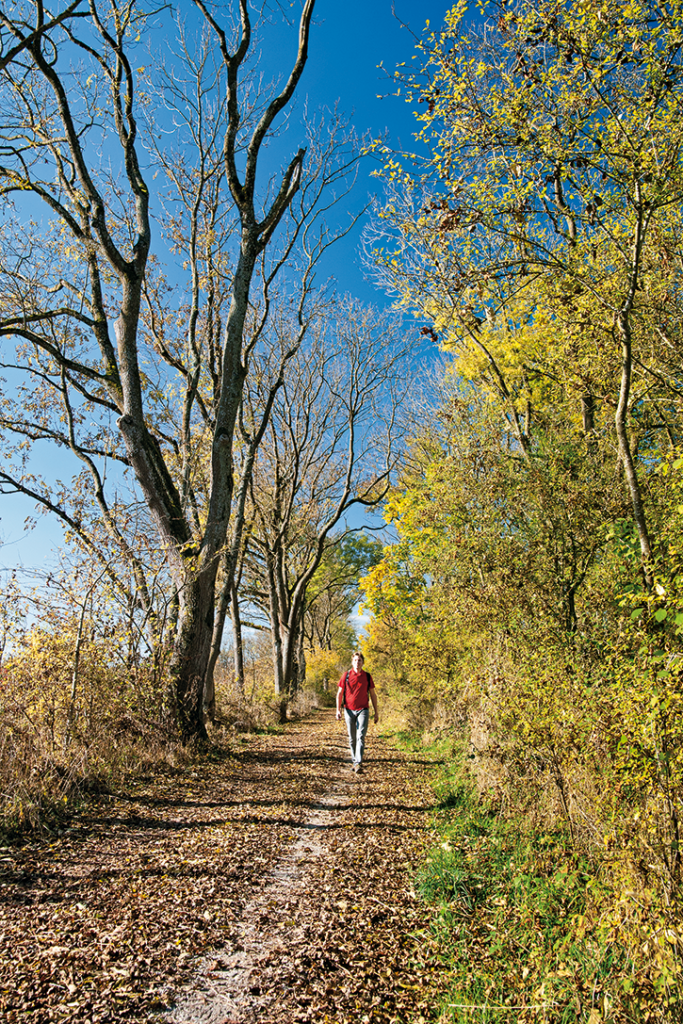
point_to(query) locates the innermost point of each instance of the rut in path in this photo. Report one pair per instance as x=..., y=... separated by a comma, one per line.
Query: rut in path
x=270, y=885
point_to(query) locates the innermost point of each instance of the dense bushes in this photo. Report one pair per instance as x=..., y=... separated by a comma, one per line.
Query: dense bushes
x=535, y=584
x=571, y=708
x=71, y=724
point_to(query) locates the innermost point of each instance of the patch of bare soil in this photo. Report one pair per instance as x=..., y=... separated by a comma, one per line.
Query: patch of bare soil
x=270, y=885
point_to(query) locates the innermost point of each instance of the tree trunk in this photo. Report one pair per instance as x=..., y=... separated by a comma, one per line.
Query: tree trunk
x=191, y=654
x=216, y=641
x=588, y=412
x=625, y=448
x=237, y=641
x=228, y=593
x=569, y=605
x=289, y=660
x=74, y=674
x=300, y=660
x=278, y=673
x=284, y=665
x=275, y=612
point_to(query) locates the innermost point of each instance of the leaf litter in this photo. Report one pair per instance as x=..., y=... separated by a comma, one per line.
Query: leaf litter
x=267, y=884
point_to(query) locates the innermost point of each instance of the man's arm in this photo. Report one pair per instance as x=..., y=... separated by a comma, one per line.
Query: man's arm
x=373, y=698
x=340, y=700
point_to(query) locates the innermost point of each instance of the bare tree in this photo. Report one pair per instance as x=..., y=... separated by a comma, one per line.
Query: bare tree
x=18, y=32
x=332, y=443
x=148, y=373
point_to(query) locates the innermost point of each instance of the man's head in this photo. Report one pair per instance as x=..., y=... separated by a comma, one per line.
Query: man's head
x=357, y=661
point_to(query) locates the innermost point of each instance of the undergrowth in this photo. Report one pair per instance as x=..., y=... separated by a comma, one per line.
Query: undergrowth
x=55, y=753
x=524, y=924
x=44, y=783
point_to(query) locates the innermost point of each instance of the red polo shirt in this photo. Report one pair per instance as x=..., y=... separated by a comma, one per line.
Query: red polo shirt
x=356, y=696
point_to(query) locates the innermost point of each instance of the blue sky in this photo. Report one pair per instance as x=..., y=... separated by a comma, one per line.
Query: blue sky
x=349, y=42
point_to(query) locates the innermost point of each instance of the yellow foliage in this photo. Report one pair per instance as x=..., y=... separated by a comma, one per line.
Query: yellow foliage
x=323, y=669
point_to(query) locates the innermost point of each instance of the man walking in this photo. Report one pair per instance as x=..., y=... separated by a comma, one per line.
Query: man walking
x=355, y=686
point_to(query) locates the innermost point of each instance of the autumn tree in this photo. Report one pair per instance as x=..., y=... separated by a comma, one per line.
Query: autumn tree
x=532, y=593
x=549, y=197
x=120, y=359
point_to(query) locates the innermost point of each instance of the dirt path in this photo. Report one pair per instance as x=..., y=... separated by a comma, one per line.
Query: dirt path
x=272, y=885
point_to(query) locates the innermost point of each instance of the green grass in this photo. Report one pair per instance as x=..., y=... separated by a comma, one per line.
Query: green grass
x=404, y=739
x=515, y=923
